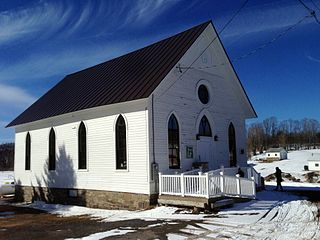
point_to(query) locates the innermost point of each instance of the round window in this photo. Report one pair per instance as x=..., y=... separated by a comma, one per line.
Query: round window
x=203, y=94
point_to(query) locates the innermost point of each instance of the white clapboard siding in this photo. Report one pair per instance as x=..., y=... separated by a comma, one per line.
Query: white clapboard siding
x=101, y=173
x=178, y=94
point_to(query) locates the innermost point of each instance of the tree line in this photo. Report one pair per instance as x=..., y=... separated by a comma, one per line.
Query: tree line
x=6, y=156
x=289, y=134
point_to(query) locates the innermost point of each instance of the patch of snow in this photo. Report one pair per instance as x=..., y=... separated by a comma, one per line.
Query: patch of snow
x=115, y=215
x=193, y=230
x=6, y=175
x=101, y=235
x=171, y=236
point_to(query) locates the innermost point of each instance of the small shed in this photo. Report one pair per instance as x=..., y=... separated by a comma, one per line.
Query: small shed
x=314, y=162
x=276, y=154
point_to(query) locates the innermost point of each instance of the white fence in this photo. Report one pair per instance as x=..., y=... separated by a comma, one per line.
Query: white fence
x=207, y=185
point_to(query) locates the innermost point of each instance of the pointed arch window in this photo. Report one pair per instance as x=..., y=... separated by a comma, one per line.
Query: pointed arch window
x=52, y=150
x=204, y=127
x=173, y=142
x=82, y=146
x=121, y=143
x=232, y=146
x=28, y=152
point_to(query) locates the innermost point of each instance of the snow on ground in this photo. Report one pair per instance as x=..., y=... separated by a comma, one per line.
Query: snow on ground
x=293, y=165
x=6, y=175
x=101, y=235
x=273, y=215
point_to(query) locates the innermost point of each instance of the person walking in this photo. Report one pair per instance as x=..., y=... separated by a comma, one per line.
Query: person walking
x=279, y=179
x=240, y=173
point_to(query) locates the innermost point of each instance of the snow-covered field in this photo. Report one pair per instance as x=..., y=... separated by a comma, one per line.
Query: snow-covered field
x=6, y=174
x=273, y=215
x=293, y=165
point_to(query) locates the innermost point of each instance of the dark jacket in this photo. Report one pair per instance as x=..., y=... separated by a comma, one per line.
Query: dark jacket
x=278, y=175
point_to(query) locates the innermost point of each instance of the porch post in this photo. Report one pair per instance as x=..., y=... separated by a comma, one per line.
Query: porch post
x=182, y=184
x=238, y=184
x=160, y=183
x=222, y=182
x=253, y=187
x=207, y=185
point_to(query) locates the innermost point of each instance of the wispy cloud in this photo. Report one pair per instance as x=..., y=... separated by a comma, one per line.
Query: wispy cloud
x=47, y=19
x=26, y=23
x=145, y=11
x=313, y=59
x=59, y=62
x=85, y=16
x=14, y=96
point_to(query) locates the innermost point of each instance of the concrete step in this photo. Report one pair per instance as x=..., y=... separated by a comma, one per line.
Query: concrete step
x=223, y=203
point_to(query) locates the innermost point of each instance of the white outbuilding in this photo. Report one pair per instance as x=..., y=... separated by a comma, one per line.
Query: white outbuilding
x=101, y=135
x=276, y=154
x=314, y=162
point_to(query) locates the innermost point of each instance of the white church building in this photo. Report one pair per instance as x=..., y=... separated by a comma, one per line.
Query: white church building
x=101, y=135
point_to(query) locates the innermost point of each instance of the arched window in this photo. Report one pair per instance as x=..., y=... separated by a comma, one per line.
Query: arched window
x=232, y=146
x=121, y=143
x=52, y=150
x=28, y=152
x=82, y=147
x=173, y=142
x=204, y=127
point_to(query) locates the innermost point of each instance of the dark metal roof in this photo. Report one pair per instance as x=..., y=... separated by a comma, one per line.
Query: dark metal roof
x=128, y=77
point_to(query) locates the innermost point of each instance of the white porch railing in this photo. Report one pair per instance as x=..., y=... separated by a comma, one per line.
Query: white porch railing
x=249, y=173
x=206, y=185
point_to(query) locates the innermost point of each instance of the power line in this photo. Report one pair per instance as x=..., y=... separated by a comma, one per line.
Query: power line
x=256, y=49
x=234, y=15
x=273, y=39
x=311, y=11
x=216, y=37
x=314, y=4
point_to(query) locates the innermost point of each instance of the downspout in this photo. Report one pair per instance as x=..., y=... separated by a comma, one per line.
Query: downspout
x=152, y=113
x=155, y=167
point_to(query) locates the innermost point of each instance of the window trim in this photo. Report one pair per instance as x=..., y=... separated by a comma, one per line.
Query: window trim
x=115, y=144
x=86, y=146
x=27, y=146
x=52, y=130
x=209, y=89
x=179, y=141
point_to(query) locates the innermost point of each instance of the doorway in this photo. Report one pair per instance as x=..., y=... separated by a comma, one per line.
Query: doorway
x=205, y=151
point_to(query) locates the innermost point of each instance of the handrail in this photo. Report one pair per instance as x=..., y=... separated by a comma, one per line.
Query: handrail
x=192, y=172
x=206, y=185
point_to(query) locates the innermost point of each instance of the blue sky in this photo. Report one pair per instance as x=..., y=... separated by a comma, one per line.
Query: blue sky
x=42, y=41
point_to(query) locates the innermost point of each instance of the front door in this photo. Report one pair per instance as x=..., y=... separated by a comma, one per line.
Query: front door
x=205, y=151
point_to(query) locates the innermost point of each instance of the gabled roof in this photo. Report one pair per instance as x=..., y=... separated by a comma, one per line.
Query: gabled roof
x=129, y=77
x=276, y=150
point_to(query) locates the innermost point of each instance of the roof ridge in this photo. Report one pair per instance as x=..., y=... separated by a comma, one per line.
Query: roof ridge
x=142, y=48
